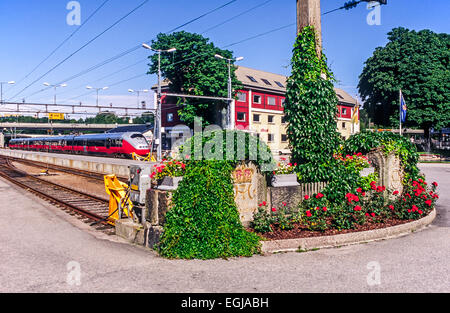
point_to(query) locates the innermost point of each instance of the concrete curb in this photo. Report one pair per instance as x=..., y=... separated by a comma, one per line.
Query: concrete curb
x=287, y=245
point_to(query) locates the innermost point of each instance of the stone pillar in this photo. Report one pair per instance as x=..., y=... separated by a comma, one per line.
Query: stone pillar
x=250, y=189
x=389, y=169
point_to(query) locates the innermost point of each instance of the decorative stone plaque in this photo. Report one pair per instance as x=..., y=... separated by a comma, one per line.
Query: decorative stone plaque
x=246, y=191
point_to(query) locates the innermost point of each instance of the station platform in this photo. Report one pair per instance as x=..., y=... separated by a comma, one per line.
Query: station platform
x=101, y=165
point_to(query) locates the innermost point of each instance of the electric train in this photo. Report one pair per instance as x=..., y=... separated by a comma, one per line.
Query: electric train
x=108, y=144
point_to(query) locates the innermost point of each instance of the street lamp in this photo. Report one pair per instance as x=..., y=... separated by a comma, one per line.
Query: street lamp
x=1, y=89
x=97, y=89
x=158, y=109
x=54, y=87
x=138, y=93
x=230, y=91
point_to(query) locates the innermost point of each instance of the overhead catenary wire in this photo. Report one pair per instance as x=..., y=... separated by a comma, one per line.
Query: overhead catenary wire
x=82, y=47
x=200, y=55
x=64, y=41
x=124, y=53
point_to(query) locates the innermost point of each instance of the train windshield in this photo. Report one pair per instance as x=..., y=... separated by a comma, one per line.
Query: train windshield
x=139, y=139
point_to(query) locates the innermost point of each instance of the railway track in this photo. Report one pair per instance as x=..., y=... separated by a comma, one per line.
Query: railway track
x=77, y=172
x=89, y=208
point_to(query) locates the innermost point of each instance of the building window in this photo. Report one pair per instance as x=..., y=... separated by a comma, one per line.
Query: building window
x=257, y=99
x=265, y=81
x=283, y=119
x=283, y=101
x=270, y=118
x=279, y=84
x=256, y=118
x=252, y=79
x=270, y=137
x=343, y=125
x=344, y=111
x=284, y=138
x=241, y=117
x=271, y=101
x=242, y=97
x=169, y=117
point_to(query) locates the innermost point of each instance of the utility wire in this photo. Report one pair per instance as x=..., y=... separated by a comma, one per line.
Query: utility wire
x=124, y=53
x=200, y=55
x=236, y=16
x=64, y=41
x=82, y=47
x=197, y=18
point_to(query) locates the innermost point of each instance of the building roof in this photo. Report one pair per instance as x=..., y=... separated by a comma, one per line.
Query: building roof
x=257, y=79
x=277, y=83
x=132, y=128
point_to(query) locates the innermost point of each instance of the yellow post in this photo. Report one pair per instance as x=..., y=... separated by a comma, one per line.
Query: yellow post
x=119, y=201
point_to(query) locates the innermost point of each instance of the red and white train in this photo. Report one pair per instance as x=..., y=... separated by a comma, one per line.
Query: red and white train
x=108, y=144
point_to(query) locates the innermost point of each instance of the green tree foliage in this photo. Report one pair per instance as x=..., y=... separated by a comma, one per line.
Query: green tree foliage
x=311, y=110
x=194, y=70
x=418, y=64
x=204, y=222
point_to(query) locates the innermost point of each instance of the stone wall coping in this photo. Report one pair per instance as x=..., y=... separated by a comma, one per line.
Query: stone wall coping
x=289, y=245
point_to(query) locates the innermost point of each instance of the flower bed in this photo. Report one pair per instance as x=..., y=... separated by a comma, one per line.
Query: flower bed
x=365, y=209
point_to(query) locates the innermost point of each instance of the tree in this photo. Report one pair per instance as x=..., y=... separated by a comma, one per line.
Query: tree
x=418, y=64
x=311, y=111
x=194, y=70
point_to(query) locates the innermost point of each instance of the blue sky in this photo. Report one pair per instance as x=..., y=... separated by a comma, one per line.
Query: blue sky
x=31, y=29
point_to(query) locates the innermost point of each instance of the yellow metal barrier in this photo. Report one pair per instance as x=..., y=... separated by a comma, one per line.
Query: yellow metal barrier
x=119, y=201
x=149, y=158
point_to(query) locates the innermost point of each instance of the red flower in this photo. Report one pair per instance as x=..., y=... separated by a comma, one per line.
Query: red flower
x=306, y=197
x=319, y=195
x=409, y=211
x=395, y=193
x=359, y=190
x=435, y=184
x=357, y=208
x=414, y=208
x=264, y=203
x=274, y=210
x=308, y=213
x=325, y=209
x=284, y=204
x=391, y=207
x=428, y=202
x=420, y=212
x=367, y=214
x=373, y=214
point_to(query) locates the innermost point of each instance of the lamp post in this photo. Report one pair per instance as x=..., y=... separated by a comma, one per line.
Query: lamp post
x=158, y=109
x=138, y=93
x=97, y=89
x=54, y=87
x=230, y=90
x=1, y=89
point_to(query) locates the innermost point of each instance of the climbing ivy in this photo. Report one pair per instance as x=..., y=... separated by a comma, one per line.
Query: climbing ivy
x=311, y=110
x=204, y=221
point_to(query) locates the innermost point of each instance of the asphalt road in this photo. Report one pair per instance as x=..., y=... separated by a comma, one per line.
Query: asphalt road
x=45, y=250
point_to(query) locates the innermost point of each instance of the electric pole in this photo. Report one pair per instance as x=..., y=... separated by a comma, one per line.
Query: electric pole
x=308, y=14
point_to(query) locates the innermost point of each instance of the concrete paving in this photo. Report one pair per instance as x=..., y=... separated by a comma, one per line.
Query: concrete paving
x=45, y=250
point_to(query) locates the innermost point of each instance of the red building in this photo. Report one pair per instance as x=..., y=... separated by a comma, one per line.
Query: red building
x=259, y=108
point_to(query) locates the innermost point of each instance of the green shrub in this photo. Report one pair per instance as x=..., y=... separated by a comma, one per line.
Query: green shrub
x=229, y=145
x=311, y=110
x=204, y=221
